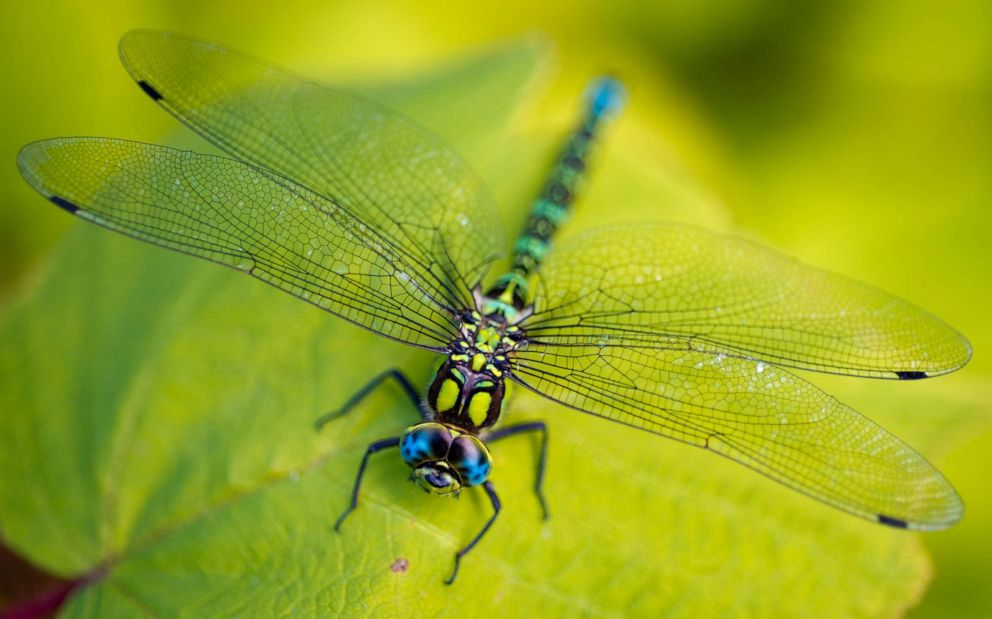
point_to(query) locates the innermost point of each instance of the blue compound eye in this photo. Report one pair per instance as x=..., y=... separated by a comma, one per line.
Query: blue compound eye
x=471, y=459
x=424, y=442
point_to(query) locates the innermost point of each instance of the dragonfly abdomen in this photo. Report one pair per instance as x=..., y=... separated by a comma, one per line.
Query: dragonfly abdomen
x=510, y=293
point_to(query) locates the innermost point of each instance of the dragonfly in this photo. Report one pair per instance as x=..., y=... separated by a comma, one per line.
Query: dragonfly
x=671, y=329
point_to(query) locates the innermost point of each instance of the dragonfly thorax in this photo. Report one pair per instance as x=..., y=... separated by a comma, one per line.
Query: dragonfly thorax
x=469, y=387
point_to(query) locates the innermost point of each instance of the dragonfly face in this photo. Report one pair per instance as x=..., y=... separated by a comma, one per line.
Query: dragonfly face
x=444, y=459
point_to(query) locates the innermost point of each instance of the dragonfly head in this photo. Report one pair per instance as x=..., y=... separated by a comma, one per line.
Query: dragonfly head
x=444, y=459
x=437, y=478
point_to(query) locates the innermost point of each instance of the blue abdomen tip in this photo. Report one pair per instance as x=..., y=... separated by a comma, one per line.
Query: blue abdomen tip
x=606, y=96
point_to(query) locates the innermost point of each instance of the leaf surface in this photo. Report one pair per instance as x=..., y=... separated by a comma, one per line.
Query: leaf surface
x=160, y=445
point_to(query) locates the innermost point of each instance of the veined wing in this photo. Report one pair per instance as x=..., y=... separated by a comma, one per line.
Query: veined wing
x=395, y=177
x=730, y=296
x=246, y=218
x=748, y=411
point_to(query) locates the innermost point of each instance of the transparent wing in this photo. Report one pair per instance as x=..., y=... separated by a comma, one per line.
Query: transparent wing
x=748, y=411
x=397, y=178
x=727, y=295
x=249, y=219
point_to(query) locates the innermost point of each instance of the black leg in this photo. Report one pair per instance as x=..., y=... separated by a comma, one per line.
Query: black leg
x=367, y=389
x=374, y=447
x=464, y=551
x=534, y=426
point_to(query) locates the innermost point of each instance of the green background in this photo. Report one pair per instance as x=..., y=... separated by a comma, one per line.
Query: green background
x=157, y=410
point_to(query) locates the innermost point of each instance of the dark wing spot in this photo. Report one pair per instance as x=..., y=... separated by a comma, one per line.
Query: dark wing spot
x=63, y=203
x=911, y=375
x=151, y=92
x=892, y=522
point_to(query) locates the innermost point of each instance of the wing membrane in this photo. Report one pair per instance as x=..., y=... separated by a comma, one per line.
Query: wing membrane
x=748, y=411
x=726, y=295
x=249, y=219
x=395, y=177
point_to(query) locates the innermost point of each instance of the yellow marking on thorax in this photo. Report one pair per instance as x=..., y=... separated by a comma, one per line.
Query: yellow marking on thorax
x=478, y=360
x=487, y=339
x=478, y=407
x=448, y=396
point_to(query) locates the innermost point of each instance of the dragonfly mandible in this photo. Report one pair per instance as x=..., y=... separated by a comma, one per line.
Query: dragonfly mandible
x=667, y=328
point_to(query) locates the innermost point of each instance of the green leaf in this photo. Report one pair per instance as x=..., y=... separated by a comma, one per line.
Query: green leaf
x=158, y=414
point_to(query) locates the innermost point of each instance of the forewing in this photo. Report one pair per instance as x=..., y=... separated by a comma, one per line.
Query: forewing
x=396, y=177
x=727, y=295
x=249, y=219
x=748, y=411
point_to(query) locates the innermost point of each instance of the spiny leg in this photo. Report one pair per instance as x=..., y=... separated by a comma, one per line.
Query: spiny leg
x=393, y=373
x=494, y=499
x=371, y=449
x=534, y=426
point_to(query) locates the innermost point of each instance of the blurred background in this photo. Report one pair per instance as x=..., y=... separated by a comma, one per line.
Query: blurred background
x=854, y=136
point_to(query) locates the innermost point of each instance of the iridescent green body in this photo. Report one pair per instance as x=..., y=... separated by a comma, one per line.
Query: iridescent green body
x=510, y=295
x=469, y=389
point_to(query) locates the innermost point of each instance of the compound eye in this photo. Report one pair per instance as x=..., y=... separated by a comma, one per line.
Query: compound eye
x=424, y=442
x=471, y=459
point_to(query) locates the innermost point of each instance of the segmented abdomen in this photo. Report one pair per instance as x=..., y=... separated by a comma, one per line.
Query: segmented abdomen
x=552, y=206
